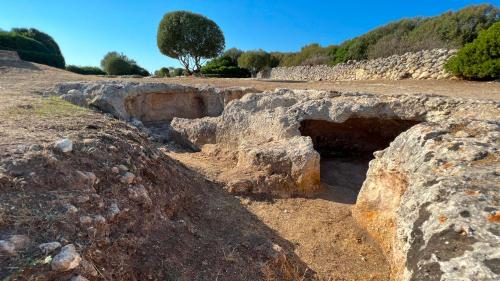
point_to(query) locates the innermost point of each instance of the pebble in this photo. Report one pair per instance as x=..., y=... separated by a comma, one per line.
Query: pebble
x=85, y=220
x=67, y=259
x=69, y=209
x=49, y=247
x=113, y=210
x=64, y=145
x=127, y=178
x=115, y=170
x=79, y=278
x=13, y=244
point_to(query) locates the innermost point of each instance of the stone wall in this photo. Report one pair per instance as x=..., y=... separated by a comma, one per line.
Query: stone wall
x=8, y=55
x=427, y=64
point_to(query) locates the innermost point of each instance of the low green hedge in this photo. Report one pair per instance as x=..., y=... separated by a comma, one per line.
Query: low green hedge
x=85, y=70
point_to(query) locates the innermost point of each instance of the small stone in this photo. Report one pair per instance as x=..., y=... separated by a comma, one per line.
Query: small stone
x=67, y=259
x=127, y=178
x=36, y=147
x=115, y=170
x=85, y=220
x=98, y=219
x=69, y=209
x=140, y=195
x=13, y=244
x=123, y=168
x=49, y=247
x=64, y=145
x=113, y=210
x=7, y=247
x=82, y=199
x=79, y=278
x=88, y=268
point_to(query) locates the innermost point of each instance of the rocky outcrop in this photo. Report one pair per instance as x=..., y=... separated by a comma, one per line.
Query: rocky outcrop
x=9, y=55
x=427, y=64
x=430, y=193
x=149, y=102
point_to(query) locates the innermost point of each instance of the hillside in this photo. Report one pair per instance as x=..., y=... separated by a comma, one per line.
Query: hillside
x=450, y=30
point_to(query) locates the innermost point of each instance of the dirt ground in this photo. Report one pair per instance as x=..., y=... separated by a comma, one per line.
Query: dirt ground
x=215, y=240
x=325, y=235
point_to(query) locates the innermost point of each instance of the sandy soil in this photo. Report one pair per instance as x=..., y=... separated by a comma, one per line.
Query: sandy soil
x=325, y=235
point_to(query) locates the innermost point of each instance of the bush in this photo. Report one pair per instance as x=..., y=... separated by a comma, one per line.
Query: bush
x=115, y=63
x=224, y=67
x=449, y=30
x=29, y=49
x=162, y=72
x=85, y=70
x=189, y=38
x=480, y=59
x=174, y=72
x=254, y=61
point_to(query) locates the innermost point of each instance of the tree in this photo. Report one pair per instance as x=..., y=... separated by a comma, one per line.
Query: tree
x=190, y=38
x=115, y=63
x=254, y=61
x=224, y=67
x=233, y=54
x=162, y=72
x=479, y=59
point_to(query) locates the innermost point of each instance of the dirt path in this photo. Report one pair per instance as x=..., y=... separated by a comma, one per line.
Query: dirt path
x=325, y=235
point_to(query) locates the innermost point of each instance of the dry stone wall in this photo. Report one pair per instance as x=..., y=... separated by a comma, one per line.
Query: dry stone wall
x=427, y=64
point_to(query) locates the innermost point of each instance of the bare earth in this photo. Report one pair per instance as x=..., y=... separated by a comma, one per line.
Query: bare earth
x=326, y=237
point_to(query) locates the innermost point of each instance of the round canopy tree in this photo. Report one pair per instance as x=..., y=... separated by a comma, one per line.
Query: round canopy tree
x=190, y=38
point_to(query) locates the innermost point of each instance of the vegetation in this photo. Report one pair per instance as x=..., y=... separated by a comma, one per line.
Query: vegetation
x=190, y=38
x=162, y=72
x=224, y=66
x=233, y=54
x=115, y=63
x=479, y=59
x=32, y=45
x=450, y=30
x=85, y=70
x=254, y=61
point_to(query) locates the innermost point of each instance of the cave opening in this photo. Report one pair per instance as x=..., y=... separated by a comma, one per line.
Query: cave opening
x=346, y=149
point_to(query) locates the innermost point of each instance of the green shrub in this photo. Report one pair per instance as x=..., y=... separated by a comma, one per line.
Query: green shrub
x=480, y=59
x=254, y=61
x=449, y=30
x=30, y=49
x=176, y=72
x=189, y=38
x=85, y=70
x=115, y=63
x=224, y=67
x=162, y=72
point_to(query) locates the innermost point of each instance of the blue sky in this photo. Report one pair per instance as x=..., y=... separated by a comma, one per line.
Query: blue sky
x=88, y=29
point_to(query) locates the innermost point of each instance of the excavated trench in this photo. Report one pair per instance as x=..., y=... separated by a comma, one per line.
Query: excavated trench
x=347, y=148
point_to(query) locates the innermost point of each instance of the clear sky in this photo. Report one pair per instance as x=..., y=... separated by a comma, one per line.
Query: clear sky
x=88, y=29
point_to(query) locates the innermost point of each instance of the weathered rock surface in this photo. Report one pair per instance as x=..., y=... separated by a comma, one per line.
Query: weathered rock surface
x=430, y=196
x=427, y=64
x=150, y=102
x=67, y=259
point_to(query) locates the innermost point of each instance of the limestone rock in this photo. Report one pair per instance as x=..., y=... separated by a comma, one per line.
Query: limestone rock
x=13, y=244
x=49, y=247
x=64, y=145
x=426, y=64
x=67, y=259
x=430, y=192
x=150, y=102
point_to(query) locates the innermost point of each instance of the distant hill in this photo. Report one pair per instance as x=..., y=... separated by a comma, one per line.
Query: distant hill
x=448, y=30
x=32, y=45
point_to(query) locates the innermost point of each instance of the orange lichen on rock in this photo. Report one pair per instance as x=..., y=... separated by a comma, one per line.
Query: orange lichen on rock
x=494, y=217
